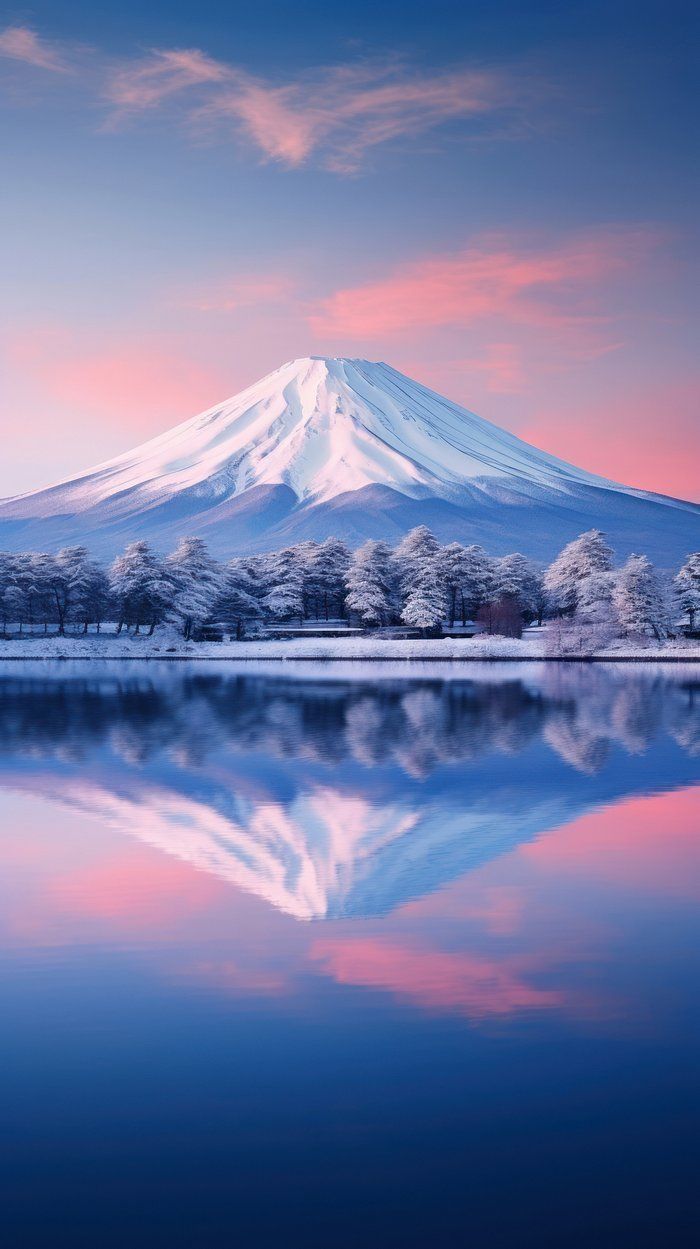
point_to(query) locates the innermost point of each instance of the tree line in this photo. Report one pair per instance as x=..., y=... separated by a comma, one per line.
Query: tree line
x=418, y=583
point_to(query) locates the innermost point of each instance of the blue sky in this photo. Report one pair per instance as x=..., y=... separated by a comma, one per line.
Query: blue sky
x=498, y=200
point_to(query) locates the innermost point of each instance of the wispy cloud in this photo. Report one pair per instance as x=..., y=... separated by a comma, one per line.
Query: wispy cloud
x=333, y=114
x=20, y=43
x=340, y=113
x=494, y=278
x=337, y=113
x=146, y=83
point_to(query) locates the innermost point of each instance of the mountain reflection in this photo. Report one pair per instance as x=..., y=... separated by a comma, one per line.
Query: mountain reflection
x=345, y=797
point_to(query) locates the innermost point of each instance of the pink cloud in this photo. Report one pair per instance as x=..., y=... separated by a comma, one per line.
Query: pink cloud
x=492, y=279
x=149, y=82
x=20, y=43
x=339, y=111
x=346, y=110
x=475, y=986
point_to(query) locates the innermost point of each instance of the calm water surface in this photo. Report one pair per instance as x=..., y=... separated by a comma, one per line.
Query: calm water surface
x=349, y=958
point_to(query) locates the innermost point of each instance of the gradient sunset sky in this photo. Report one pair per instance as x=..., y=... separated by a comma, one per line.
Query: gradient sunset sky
x=499, y=199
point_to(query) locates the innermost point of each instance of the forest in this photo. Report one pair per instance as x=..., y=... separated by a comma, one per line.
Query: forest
x=418, y=584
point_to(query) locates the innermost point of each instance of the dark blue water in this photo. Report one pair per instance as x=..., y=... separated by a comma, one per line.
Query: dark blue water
x=349, y=958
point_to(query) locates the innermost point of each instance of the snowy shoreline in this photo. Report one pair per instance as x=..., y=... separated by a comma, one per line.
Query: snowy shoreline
x=482, y=649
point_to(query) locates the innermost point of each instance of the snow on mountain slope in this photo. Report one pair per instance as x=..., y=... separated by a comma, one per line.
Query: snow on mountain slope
x=319, y=442
x=322, y=427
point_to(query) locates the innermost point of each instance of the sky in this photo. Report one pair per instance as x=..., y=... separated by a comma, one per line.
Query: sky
x=499, y=200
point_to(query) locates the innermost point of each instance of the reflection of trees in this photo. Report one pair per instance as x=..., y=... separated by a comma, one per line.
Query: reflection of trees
x=580, y=711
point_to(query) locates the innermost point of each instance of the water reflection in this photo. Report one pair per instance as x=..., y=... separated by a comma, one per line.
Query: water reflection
x=333, y=798
x=499, y=985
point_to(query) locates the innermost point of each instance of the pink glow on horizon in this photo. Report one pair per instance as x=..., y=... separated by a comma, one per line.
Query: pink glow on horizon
x=619, y=436
x=137, y=386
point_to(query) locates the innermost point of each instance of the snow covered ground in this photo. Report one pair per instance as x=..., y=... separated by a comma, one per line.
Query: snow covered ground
x=167, y=645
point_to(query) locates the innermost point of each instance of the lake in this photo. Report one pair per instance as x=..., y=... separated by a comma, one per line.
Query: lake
x=357, y=955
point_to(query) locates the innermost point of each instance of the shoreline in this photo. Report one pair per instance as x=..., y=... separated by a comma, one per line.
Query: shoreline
x=644, y=657
x=374, y=659
x=172, y=648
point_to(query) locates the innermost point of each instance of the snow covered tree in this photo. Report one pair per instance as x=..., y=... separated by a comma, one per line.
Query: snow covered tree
x=325, y=577
x=81, y=588
x=6, y=583
x=468, y=575
x=639, y=599
x=687, y=587
x=285, y=573
x=93, y=596
x=142, y=592
x=197, y=579
x=587, y=554
x=13, y=596
x=36, y=578
x=419, y=560
x=67, y=575
x=237, y=600
x=518, y=579
x=418, y=548
x=425, y=603
x=370, y=581
x=595, y=615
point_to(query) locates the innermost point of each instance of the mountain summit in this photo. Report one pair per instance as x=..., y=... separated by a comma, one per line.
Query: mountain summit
x=347, y=447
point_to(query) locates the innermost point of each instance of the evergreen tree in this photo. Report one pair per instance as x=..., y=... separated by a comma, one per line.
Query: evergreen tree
x=639, y=600
x=93, y=598
x=197, y=579
x=687, y=587
x=417, y=549
x=284, y=599
x=39, y=587
x=587, y=554
x=370, y=581
x=518, y=579
x=67, y=575
x=326, y=571
x=470, y=578
x=425, y=604
x=238, y=600
x=142, y=592
x=419, y=560
x=6, y=583
x=13, y=597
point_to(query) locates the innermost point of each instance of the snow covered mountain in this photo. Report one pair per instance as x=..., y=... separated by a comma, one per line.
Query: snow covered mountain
x=346, y=447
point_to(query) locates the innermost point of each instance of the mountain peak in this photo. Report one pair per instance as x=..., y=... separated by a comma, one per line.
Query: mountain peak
x=331, y=444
